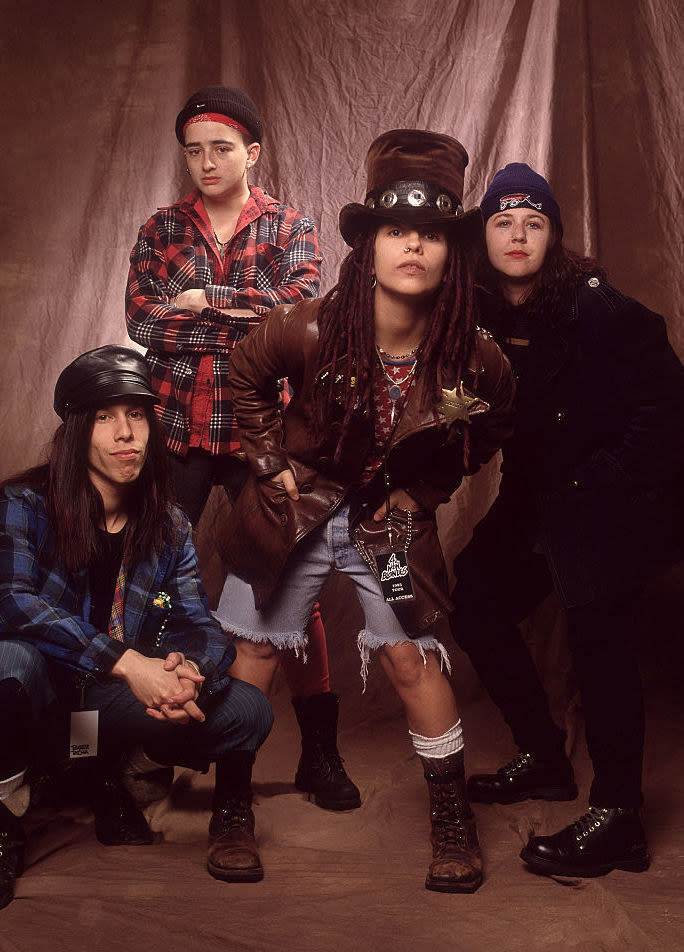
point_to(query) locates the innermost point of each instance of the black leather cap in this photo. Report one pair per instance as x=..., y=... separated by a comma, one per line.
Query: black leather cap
x=100, y=375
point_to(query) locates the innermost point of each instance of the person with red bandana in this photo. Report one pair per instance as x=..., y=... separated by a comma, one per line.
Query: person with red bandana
x=204, y=272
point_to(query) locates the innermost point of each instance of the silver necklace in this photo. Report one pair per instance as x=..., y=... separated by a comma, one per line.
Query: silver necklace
x=394, y=387
x=398, y=356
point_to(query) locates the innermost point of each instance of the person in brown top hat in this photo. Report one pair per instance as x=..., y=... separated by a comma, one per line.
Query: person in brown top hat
x=396, y=397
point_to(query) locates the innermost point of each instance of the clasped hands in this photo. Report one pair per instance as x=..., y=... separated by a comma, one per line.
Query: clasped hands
x=168, y=688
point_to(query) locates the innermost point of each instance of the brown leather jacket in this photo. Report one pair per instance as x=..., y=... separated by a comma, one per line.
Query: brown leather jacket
x=425, y=457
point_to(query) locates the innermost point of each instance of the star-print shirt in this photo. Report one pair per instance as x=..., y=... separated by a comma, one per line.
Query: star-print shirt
x=398, y=370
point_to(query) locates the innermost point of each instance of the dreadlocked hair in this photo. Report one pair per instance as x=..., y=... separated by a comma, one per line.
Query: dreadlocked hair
x=346, y=333
x=75, y=507
x=558, y=276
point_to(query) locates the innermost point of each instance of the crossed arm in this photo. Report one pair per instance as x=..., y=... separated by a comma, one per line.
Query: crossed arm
x=169, y=320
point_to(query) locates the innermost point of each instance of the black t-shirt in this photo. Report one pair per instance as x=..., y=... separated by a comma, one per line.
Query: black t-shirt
x=104, y=570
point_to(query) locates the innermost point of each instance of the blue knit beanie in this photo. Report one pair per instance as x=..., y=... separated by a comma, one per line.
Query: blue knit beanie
x=517, y=185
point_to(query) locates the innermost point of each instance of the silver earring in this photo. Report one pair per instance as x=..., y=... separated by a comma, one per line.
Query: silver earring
x=373, y=282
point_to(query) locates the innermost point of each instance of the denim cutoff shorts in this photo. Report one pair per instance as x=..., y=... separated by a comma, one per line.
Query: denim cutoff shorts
x=283, y=621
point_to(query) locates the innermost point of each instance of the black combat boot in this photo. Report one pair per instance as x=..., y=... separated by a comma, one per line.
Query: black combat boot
x=12, y=847
x=118, y=822
x=456, y=858
x=233, y=854
x=527, y=776
x=321, y=771
x=604, y=838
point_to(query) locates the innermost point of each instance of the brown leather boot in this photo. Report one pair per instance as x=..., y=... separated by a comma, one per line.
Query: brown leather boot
x=233, y=854
x=456, y=858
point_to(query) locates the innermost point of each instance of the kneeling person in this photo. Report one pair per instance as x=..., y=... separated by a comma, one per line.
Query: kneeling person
x=102, y=610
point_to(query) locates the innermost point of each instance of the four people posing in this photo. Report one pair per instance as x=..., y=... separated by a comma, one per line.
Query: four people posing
x=397, y=394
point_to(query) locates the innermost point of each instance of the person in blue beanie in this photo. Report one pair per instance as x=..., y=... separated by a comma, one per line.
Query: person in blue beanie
x=586, y=508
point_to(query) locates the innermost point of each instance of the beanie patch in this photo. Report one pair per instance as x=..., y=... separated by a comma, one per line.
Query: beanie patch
x=516, y=186
x=519, y=198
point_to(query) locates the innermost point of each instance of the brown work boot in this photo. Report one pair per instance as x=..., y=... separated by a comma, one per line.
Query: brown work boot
x=456, y=858
x=233, y=854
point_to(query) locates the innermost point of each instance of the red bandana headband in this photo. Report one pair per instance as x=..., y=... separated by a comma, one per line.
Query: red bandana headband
x=216, y=117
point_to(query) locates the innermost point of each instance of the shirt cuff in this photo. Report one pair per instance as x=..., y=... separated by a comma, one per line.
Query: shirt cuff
x=102, y=654
x=219, y=295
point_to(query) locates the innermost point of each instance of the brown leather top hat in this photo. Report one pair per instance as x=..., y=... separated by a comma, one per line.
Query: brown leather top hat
x=414, y=175
x=100, y=375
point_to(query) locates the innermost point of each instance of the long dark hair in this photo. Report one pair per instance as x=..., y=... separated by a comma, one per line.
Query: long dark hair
x=558, y=276
x=346, y=331
x=75, y=507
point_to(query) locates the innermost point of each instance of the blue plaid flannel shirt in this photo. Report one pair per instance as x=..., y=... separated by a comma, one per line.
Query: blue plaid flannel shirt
x=42, y=604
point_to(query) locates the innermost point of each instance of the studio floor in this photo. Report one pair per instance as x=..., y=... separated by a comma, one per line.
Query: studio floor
x=354, y=881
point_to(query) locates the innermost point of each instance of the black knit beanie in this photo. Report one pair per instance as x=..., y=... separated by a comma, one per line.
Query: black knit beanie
x=516, y=186
x=225, y=100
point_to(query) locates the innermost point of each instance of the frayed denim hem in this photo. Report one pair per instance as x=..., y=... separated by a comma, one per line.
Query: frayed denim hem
x=367, y=641
x=296, y=641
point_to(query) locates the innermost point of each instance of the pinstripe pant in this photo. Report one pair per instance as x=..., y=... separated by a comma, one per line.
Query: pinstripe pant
x=237, y=718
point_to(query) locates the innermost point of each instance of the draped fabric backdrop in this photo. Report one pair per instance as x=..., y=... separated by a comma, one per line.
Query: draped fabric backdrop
x=589, y=93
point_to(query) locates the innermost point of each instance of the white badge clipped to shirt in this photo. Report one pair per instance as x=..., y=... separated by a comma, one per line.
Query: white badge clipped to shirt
x=83, y=734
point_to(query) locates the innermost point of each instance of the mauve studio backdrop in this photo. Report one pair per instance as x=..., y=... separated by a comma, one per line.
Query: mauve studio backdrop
x=589, y=93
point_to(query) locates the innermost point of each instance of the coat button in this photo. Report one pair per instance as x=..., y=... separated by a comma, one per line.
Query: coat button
x=593, y=282
x=283, y=519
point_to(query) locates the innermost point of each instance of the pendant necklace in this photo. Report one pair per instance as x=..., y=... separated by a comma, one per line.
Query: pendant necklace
x=394, y=386
x=222, y=245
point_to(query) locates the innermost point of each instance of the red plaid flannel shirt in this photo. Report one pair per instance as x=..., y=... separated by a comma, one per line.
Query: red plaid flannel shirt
x=273, y=258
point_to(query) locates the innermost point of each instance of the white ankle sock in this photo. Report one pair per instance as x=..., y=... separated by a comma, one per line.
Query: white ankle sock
x=15, y=794
x=10, y=784
x=451, y=742
x=138, y=762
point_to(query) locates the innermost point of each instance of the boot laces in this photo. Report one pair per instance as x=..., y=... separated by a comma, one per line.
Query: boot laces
x=335, y=763
x=589, y=822
x=238, y=819
x=325, y=752
x=519, y=762
x=449, y=820
x=234, y=814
